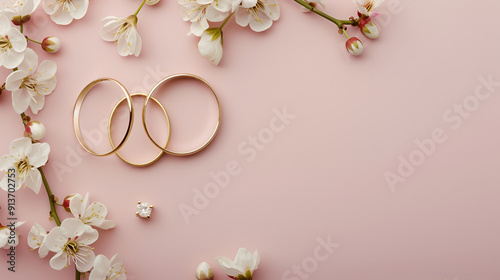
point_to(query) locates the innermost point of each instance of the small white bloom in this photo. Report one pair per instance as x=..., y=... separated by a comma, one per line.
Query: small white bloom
x=24, y=158
x=242, y=267
x=204, y=272
x=6, y=239
x=122, y=31
x=105, y=269
x=19, y=11
x=37, y=238
x=30, y=88
x=51, y=44
x=210, y=45
x=64, y=11
x=260, y=17
x=34, y=130
x=70, y=242
x=152, y=2
x=366, y=6
x=93, y=214
x=199, y=15
x=12, y=44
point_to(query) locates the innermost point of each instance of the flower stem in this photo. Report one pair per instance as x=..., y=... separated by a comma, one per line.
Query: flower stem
x=53, y=211
x=33, y=41
x=77, y=274
x=226, y=20
x=21, y=28
x=140, y=7
x=338, y=22
x=347, y=35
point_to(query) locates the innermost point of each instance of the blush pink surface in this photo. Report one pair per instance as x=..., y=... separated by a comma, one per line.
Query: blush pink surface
x=319, y=175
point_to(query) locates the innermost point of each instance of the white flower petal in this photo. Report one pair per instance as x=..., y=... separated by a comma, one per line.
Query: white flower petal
x=59, y=260
x=79, y=8
x=20, y=147
x=89, y=236
x=87, y=261
x=72, y=228
x=101, y=268
x=14, y=80
x=228, y=266
x=39, y=154
x=34, y=180
x=20, y=100
x=55, y=240
x=62, y=17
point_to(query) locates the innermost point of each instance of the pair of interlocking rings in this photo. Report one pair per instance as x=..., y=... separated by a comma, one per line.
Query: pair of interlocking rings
x=128, y=97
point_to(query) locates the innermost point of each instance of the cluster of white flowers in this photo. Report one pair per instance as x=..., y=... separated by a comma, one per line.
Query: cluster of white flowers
x=258, y=14
x=70, y=241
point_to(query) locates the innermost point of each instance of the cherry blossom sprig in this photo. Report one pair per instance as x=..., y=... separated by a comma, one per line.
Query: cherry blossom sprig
x=71, y=239
x=259, y=15
x=123, y=31
x=364, y=21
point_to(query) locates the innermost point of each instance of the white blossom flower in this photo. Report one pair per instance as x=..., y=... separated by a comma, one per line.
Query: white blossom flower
x=199, y=15
x=354, y=46
x=64, y=11
x=105, y=269
x=260, y=17
x=24, y=159
x=37, y=240
x=19, y=11
x=366, y=6
x=8, y=240
x=70, y=242
x=93, y=214
x=29, y=88
x=204, y=272
x=34, y=130
x=122, y=31
x=242, y=267
x=152, y=2
x=210, y=45
x=12, y=44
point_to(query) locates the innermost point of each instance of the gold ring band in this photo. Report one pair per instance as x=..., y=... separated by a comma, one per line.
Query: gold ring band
x=172, y=77
x=111, y=121
x=77, y=109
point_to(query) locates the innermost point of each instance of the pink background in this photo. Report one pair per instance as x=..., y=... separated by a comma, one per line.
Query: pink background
x=320, y=177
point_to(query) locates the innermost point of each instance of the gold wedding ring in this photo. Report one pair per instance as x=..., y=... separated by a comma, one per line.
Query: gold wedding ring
x=110, y=123
x=78, y=107
x=165, y=80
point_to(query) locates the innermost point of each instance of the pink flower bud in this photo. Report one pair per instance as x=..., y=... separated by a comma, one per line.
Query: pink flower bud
x=35, y=130
x=354, y=46
x=66, y=202
x=51, y=44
